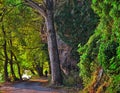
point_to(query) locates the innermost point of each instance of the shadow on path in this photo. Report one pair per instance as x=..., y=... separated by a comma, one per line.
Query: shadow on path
x=34, y=86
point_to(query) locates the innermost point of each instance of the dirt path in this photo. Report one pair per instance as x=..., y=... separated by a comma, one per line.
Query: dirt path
x=32, y=86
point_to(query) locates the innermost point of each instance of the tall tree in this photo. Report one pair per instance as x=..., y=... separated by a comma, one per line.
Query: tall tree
x=11, y=62
x=4, y=44
x=6, y=55
x=47, y=11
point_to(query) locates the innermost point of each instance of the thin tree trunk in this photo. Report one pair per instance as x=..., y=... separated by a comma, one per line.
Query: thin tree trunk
x=39, y=69
x=32, y=71
x=11, y=63
x=19, y=70
x=6, y=63
x=11, y=67
x=6, y=56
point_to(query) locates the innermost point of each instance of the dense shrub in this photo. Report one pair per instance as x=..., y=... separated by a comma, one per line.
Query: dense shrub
x=103, y=47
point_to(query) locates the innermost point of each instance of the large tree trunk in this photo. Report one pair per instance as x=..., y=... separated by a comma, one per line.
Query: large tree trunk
x=47, y=13
x=53, y=49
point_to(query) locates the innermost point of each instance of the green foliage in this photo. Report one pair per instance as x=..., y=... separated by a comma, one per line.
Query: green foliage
x=115, y=85
x=108, y=56
x=75, y=22
x=88, y=54
x=103, y=47
x=21, y=25
x=12, y=2
x=1, y=77
x=72, y=80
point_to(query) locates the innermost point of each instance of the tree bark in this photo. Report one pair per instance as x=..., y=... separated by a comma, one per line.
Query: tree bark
x=6, y=63
x=47, y=13
x=53, y=49
x=32, y=71
x=49, y=68
x=11, y=67
x=19, y=70
x=39, y=70
x=6, y=56
x=11, y=63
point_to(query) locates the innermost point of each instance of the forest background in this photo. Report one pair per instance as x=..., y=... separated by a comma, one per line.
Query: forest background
x=89, y=32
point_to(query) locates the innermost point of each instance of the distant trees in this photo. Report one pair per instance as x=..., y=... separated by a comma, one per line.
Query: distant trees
x=18, y=37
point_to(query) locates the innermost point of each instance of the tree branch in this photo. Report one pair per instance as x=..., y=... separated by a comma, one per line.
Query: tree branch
x=41, y=9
